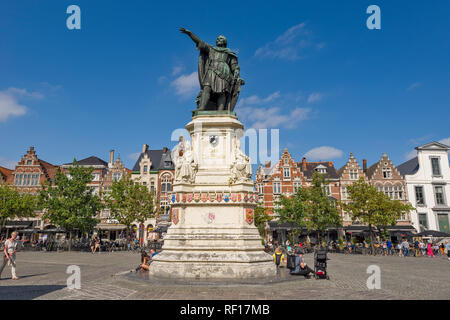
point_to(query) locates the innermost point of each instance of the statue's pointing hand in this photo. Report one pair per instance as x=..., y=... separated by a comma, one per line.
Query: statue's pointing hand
x=185, y=31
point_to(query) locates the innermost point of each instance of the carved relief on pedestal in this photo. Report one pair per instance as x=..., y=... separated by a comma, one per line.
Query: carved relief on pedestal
x=241, y=169
x=183, y=158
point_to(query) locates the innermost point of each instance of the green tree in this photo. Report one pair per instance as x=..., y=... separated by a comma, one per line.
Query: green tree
x=372, y=207
x=261, y=217
x=321, y=211
x=310, y=207
x=71, y=203
x=129, y=201
x=15, y=205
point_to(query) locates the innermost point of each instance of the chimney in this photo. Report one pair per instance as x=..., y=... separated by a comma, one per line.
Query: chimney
x=304, y=164
x=144, y=148
x=330, y=163
x=268, y=163
x=111, y=157
x=364, y=165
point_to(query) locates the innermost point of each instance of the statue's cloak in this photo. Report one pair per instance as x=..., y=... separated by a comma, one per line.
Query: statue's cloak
x=203, y=59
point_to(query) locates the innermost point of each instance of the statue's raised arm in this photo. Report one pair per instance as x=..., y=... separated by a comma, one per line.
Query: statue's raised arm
x=191, y=35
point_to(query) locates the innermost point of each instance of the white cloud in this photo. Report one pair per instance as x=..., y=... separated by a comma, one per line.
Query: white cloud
x=186, y=85
x=134, y=156
x=7, y=163
x=445, y=141
x=262, y=118
x=10, y=107
x=289, y=45
x=314, y=97
x=176, y=70
x=411, y=154
x=323, y=153
x=413, y=86
x=254, y=99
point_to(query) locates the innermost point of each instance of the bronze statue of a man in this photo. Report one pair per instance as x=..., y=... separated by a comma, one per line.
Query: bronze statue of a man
x=218, y=73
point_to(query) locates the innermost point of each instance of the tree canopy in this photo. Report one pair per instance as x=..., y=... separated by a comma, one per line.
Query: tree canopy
x=129, y=201
x=14, y=204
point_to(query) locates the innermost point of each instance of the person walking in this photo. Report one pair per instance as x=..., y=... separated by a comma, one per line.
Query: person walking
x=447, y=247
x=10, y=255
x=405, y=247
x=416, y=248
x=423, y=248
x=430, y=250
x=389, y=247
x=399, y=248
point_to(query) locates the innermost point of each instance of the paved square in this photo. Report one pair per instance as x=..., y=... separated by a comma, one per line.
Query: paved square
x=107, y=276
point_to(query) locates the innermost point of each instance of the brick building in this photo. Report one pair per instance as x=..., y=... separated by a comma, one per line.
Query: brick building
x=348, y=174
x=5, y=175
x=28, y=176
x=155, y=169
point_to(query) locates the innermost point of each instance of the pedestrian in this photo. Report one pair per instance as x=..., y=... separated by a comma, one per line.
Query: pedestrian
x=385, y=248
x=430, y=250
x=405, y=247
x=301, y=268
x=278, y=257
x=442, y=248
x=416, y=248
x=10, y=255
x=447, y=247
x=399, y=248
x=423, y=248
x=92, y=244
x=389, y=247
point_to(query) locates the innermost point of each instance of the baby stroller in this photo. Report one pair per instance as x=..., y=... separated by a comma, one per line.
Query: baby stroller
x=320, y=264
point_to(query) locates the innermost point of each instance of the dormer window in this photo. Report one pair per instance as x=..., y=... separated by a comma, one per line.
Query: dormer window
x=321, y=169
x=145, y=169
x=435, y=167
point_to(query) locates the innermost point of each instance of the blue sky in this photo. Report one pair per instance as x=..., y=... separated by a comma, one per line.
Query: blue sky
x=312, y=69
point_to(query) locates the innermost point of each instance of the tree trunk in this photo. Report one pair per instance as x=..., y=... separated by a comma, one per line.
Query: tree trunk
x=371, y=239
x=70, y=240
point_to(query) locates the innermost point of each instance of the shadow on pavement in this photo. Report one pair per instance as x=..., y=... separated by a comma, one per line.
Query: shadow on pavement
x=26, y=292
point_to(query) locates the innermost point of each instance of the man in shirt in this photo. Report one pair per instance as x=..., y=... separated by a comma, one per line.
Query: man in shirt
x=300, y=266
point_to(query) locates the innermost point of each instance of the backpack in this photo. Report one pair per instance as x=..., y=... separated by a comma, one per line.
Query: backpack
x=278, y=259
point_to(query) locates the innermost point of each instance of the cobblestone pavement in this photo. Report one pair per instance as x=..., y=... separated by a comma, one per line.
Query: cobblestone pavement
x=108, y=276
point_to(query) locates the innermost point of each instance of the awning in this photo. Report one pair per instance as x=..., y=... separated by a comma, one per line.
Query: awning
x=54, y=230
x=18, y=224
x=432, y=233
x=111, y=227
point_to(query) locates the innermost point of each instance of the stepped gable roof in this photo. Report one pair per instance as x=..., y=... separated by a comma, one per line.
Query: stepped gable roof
x=409, y=167
x=90, y=161
x=311, y=168
x=160, y=159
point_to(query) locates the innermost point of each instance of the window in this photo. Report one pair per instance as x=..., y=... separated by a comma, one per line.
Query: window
x=117, y=176
x=387, y=173
x=152, y=186
x=420, y=199
x=423, y=222
x=286, y=161
x=260, y=188
x=435, y=167
x=297, y=186
x=276, y=188
x=35, y=180
x=326, y=190
x=166, y=185
x=398, y=193
x=439, y=194
x=354, y=174
x=389, y=191
x=29, y=162
x=145, y=169
x=96, y=176
x=344, y=193
x=286, y=172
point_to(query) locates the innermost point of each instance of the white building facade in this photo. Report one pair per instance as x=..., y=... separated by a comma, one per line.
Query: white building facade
x=428, y=186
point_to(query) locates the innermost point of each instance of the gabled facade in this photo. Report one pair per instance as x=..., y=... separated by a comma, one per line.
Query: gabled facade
x=283, y=178
x=348, y=174
x=31, y=172
x=155, y=169
x=386, y=178
x=428, y=186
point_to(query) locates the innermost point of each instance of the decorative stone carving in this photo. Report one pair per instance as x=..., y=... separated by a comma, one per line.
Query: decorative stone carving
x=185, y=167
x=241, y=169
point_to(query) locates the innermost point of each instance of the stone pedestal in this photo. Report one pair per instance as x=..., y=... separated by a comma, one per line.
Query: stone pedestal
x=213, y=235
